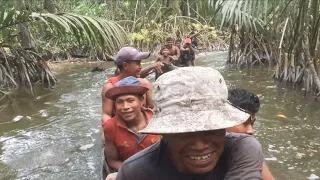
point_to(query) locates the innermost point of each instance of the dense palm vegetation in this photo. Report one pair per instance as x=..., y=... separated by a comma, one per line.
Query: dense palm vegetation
x=282, y=34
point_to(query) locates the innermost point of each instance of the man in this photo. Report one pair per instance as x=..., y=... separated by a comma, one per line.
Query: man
x=166, y=60
x=128, y=61
x=174, y=50
x=121, y=137
x=192, y=115
x=250, y=103
x=178, y=43
x=187, y=55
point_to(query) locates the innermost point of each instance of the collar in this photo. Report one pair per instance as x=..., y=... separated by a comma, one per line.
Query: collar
x=148, y=114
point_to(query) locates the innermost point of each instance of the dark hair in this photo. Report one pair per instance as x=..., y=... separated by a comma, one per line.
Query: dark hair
x=120, y=67
x=169, y=39
x=117, y=71
x=163, y=48
x=244, y=99
x=178, y=40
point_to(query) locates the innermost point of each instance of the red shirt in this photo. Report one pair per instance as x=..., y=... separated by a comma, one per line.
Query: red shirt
x=126, y=141
x=113, y=81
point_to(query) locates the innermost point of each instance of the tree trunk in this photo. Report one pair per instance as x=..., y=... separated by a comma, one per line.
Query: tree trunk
x=184, y=8
x=24, y=33
x=169, y=2
x=50, y=6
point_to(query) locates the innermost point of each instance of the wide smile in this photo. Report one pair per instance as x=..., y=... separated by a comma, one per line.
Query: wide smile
x=204, y=157
x=127, y=113
x=201, y=160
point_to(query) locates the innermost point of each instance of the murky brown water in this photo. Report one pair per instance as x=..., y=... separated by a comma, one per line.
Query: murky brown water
x=58, y=135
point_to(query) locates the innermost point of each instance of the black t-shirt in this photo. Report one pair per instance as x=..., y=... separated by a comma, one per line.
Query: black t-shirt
x=241, y=159
x=186, y=57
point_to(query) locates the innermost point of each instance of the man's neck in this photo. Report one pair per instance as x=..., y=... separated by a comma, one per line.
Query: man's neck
x=137, y=122
x=123, y=75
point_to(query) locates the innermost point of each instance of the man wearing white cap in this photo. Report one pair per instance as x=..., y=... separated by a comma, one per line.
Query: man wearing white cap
x=192, y=116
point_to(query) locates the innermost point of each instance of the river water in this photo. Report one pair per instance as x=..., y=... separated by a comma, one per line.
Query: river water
x=56, y=134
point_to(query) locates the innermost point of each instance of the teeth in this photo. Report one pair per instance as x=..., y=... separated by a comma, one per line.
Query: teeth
x=200, y=157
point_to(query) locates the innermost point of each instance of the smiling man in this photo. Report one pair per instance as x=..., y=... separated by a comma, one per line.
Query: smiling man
x=121, y=137
x=128, y=60
x=192, y=116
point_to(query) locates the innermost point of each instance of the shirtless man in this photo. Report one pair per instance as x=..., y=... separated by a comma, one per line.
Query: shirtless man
x=174, y=51
x=178, y=43
x=165, y=59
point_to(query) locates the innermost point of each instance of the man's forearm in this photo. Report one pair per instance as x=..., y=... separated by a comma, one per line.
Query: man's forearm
x=145, y=71
x=115, y=165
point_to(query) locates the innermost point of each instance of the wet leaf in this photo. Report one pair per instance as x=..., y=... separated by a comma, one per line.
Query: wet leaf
x=281, y=116
x=305, y=118
x=17, y=118
x=259, y=95
x=85, y=147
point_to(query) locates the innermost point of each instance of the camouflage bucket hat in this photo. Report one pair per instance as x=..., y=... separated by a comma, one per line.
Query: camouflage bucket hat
x=192, y=99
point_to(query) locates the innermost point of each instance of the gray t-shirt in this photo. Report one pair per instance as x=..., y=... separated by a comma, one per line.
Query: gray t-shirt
x=241, y=160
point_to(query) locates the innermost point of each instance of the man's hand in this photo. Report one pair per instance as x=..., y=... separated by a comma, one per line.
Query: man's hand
x=174, y=58
x=158, y=67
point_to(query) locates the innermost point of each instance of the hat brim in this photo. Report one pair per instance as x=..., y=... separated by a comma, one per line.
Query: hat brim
x=141, y=55
x=122, y=90
x=196, y=121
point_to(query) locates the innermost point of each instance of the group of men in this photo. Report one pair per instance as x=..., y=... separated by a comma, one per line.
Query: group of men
x=186, y=126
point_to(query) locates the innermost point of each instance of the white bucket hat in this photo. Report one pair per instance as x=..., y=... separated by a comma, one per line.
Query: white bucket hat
x=192, y=99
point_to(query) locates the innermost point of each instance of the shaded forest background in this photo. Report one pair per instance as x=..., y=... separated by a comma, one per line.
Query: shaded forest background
x=282, y=35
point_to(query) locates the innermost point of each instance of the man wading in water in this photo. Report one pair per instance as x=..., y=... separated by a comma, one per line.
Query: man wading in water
x=192, y=116
x=187, y=55
x=165, y=59
x=174, y=51
x=249, y=102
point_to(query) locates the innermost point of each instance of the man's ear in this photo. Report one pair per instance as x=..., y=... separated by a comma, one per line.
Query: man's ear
x=125, y=66
x=141, y=98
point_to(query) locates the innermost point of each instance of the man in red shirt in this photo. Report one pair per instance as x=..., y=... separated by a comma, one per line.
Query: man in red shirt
x=128, y=60
x=121, y=137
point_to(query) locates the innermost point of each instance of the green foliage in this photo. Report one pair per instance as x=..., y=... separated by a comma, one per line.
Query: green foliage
x=20, y=66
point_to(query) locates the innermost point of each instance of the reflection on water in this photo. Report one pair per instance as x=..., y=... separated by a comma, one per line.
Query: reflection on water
x=58, y=134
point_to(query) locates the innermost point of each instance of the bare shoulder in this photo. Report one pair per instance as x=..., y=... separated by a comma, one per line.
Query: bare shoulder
x=107, y=86
x=176, y=48
x=144, y=81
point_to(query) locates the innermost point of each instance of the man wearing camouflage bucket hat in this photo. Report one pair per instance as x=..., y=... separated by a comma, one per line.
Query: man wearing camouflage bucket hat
x=192, y=116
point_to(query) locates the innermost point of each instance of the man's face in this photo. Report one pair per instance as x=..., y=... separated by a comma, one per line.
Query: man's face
x=196, y=153
x=178, y=44
x=169, y=44
x=245, y=128
x=165, y=52
x=188, y=45
x=128, y=106
x=133, y=68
